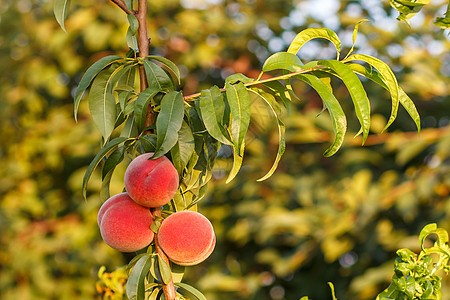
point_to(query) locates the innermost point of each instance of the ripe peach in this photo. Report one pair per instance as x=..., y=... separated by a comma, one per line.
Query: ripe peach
x=125, y=225
x=151, y=182
x=187, y=238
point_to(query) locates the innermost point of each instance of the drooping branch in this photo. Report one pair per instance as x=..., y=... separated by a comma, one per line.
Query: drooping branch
x=123, y=6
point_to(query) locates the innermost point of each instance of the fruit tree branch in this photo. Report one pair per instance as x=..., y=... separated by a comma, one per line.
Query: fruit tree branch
x=123, y=6
x=169, y=288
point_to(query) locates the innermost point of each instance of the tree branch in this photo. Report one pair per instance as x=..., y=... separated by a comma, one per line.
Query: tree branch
x=168, y=289
x=123, y=6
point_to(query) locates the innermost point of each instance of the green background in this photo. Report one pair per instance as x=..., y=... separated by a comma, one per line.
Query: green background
x=318, y=219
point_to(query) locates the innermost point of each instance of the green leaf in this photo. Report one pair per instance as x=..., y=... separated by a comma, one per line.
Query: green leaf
x=407, y=8
x=136, y=282
x=148, y=142
x=443, y=23
x=90, y=74
x=61, y=10
x=239, y=101
x=108, y=148
x=283, y=60
x=134, y=23
x=156, y=77
x=313, y=33
x=237, y=163
x=129, y=129
x=125, y=78
x=169, y=122
x=355, y=34
x=132, y=40
x=183, y=149
x=405, y=101
x=169, y=64
x=356, y=90
x=193, y=291
x=277, y=89
x=164, y=270
x=102, y=104
x=238, y=77
x=113, y=160
x=270, y=101
x=104, y=190
x=177, y=272
x=212, y=108
x=141, y=105
x=155, y=294
x=334, y=108
x=129, y=4
x=388, y=78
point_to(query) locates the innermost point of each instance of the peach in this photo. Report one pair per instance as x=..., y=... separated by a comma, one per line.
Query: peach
x=151, y=182
x=125, y=225
x=187, y=238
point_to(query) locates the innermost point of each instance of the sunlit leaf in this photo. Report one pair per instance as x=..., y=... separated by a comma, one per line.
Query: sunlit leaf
x=61, y=10
x=90, y=75
x=376, y=77
x=313, y=33
x=136, y=282
x=177, y=272
x=212, y=107
x=270, y=101
x=334, y=108
x=356, y=90
x=141, y=105
x=355, y=34
x=388, y=78
x=239, y=101
x=237, y=163
x=164, y=270
x=169, y=122
x=283, y=60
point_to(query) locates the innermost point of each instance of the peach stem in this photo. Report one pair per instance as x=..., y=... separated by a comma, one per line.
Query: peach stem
x=169, y=288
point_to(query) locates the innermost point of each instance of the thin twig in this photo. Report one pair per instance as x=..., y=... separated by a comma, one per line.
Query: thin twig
x=123, y=6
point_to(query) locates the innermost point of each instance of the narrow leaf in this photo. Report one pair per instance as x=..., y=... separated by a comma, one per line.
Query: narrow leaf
x=191, y=290
x=129, y=129
x=108, y=148
x=334, y=108
x=134, y=23
x=169, y=64
x=157, y=78
x=164, y=270
x=148, y=143
x=313, y=33
x=405, y=101
x=238, y=77
x=177, y=272
x=212, y=107
x=283, y=60
x=136, y=282
x=169, y=122
x=388, y=78
x=61, y=10
x=239, y=101
x=183, y=149
x=279, y=90
x=90, y=75
x=237, y=163
x=270, y=101
x=132, y=40
x=356, y=90
x=141, y=105
x=355, y=34
x=102, y=104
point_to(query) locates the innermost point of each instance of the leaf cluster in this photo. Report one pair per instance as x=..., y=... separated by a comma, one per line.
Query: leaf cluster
x=415, y=274
x=409, y=8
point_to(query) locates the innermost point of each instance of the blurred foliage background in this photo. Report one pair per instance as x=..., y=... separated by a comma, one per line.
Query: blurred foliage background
x=318, y=219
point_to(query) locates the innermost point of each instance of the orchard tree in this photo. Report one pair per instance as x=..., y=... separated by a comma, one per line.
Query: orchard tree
x=175, y=139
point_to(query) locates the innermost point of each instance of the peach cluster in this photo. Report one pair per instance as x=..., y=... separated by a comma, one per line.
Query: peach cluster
x=125, y=219
x=186, y=237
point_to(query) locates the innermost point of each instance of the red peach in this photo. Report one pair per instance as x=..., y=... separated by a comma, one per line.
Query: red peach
x=151, y=182
x=187, y=238
x=125, y=225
